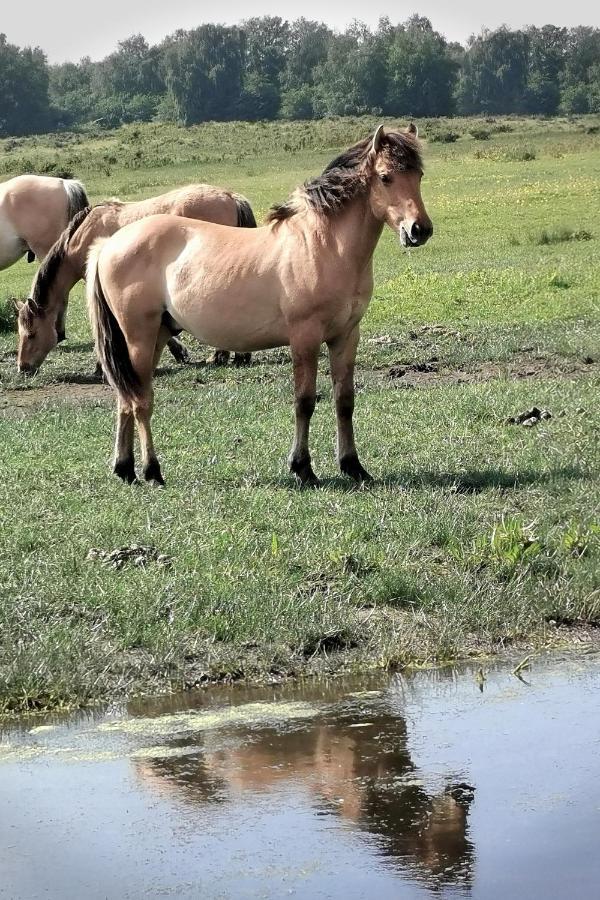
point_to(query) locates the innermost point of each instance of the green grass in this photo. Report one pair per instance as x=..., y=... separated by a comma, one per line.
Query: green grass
x=476, y=534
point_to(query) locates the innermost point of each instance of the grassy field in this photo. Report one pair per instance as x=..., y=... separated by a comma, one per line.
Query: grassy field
x=477, y=535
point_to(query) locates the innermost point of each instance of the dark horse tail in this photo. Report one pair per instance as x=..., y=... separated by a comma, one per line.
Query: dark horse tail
x=245, y=216
x=111, y=346
x=76, y=197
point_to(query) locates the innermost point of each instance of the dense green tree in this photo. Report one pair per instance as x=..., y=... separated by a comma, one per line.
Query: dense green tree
x=546, y=59
x=24, y=100
x=493, y=78
x=353, y=78
x=203, y=72
x=421, y=70
x=580, y=86
x=308, y=43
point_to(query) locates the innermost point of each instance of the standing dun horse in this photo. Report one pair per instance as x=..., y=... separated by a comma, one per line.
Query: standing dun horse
x=41, y=319
x=303, y=279
x=34, y=210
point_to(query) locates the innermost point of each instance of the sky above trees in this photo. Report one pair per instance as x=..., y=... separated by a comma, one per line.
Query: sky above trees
x=68, y=30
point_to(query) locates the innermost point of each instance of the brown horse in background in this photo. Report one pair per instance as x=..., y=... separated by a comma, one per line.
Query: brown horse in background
x=303, y=279
x=41, y=319
x=34, y=210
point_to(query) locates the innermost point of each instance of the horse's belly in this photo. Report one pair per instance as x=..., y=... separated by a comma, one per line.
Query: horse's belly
x=230, y=324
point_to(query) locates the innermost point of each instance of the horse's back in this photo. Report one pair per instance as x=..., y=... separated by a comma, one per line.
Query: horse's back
x=195, y=201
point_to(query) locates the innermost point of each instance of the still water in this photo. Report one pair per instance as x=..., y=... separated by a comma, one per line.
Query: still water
x=438, y=784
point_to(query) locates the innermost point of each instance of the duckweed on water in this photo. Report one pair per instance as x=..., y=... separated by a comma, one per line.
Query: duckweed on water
x=249, y=714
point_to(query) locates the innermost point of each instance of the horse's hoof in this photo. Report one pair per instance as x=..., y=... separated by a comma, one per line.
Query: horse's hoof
x=153, y=474
x=351, y=466
x=180, y=354
x=125, y=470
x=304, y=474
x=219, y=358
x=242, y=359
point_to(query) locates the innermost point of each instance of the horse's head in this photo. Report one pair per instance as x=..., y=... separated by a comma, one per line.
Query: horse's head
x=37, y=335
x=395, y=168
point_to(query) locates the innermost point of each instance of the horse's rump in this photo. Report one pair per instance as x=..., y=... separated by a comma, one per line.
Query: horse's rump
x=76, y=197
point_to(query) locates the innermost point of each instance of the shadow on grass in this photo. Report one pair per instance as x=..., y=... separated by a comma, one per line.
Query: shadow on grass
x=471, y=482
x=81, y=347
x=80, y=378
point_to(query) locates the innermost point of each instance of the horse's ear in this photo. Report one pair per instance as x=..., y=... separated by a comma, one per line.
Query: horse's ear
x=34, y=307
x=18, y=304
x=412, y=129
x=378, y=139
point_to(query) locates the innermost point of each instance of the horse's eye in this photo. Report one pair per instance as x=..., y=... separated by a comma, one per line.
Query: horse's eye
x=385, y=178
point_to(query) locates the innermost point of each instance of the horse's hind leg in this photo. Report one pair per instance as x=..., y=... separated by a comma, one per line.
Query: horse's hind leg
x=342, y=353
x=305, y=355
x=145, y=361
x=124, y=465
x=142, y=411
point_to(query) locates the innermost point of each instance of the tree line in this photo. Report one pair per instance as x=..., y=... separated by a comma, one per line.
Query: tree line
x=269, y=68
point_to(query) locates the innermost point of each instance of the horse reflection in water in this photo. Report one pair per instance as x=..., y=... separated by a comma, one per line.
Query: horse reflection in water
x=355, y=768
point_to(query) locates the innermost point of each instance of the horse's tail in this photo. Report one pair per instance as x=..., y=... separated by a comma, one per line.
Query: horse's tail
x=77, y=198
x=245, y=216
x=111, y=346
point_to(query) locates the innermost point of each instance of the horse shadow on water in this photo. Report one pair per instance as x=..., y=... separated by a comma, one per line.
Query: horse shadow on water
x=357, y=771
x=471, y=481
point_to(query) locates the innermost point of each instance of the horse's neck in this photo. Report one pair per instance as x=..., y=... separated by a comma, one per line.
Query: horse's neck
x=66, y=276
x=356, y=232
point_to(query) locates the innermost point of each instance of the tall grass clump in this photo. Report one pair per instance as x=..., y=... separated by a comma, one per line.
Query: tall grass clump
x=562, y=235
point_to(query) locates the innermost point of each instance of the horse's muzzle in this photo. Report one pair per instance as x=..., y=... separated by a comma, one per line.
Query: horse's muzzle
x=417, y=235
x=27, y=368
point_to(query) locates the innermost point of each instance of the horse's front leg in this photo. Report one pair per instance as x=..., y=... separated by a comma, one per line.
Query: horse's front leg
x=305, y=355
x=178, y=350
x=61, y=317
x=342, y=355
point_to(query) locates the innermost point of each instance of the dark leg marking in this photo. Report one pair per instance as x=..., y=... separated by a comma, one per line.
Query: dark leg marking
x=303, y=470
x=350, y=465
x=125, y=469
x=152, y=472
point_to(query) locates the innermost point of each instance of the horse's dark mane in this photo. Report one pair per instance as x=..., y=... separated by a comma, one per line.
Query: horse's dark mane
x=346, y=176
x=53, y=260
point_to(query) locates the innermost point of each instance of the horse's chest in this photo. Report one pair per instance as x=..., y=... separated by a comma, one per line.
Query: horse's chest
x=348, y=302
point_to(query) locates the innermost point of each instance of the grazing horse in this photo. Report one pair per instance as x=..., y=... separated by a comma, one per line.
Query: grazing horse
x=41, y=319
x=34, y=209
x=304, y=278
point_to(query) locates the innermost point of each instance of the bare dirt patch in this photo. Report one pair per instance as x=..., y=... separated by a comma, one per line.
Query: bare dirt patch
x=432, y=371
x=64, y=392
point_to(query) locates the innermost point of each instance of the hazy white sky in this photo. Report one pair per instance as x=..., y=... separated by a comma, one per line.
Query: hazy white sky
x=70, y=29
